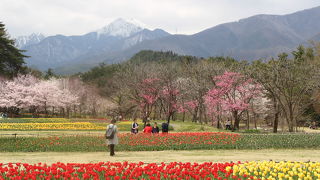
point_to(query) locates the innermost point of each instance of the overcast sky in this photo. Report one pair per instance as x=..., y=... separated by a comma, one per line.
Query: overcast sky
x=76, y=17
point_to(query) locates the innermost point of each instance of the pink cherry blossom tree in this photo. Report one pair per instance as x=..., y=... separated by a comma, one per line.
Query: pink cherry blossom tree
x=231, y=94
x=19, y=92
x=29, y=93
x=148, y=94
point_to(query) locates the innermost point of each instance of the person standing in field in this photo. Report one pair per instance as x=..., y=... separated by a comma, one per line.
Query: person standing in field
x=113, y=141
x=135, y=127
x=228, y=125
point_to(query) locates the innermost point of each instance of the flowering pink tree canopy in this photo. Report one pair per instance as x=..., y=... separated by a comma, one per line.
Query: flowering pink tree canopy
x=26, y=91
x=231, y=94
x=19, y=92
x=148, y=93
x=188, y=106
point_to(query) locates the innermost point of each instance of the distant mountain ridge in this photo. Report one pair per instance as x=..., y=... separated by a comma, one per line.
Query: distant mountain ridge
x=256, y=37
x=260, y=36
x=58, y=50
x=34, y=38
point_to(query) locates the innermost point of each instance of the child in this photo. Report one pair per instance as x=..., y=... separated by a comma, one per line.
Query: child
x=155, y=128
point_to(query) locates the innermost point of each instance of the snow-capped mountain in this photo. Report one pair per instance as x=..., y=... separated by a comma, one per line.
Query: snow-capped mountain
x=56, y=51
x=121, y=28
x=34, y=38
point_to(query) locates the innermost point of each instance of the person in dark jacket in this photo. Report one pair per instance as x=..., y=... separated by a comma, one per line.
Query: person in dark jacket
x=155, y=128
x=134, y=127
x=147, y=129
x=165, y=127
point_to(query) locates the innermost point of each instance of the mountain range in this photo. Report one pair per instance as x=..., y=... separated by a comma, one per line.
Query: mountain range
x=256, y=37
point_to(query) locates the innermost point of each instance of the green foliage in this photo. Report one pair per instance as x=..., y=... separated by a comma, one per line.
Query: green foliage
x=49, y=74
x=251, y=131
x=101, y=74
x=11, y=58
x=168, y=56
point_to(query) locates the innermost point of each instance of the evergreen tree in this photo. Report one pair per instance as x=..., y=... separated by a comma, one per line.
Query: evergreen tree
x=11, y=58
x=49, y=74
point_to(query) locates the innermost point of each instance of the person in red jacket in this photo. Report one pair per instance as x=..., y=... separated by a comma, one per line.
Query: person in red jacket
x=147, y=129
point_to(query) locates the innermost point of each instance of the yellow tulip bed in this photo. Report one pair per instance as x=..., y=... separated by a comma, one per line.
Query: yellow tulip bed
x=35, y=120
x=275, y=170
x=51, y=126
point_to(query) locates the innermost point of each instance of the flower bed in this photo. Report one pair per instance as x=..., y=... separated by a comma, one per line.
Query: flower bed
x=149, y=142
x=116, y=171
x=34, y=120
x=196, y=140
x=128, y=142
x=51, y=126
x=174, y=170
x=276, y=170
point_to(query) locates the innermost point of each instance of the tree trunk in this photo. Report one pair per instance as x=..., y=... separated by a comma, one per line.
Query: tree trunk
x=194, y=115
x=80, y=111
x=183, y=116
x=276, y=116
x=68, y=112
x=155, y=112
x=291, y=119
x=276, y=122
x=248, y=120
x=236, y=120
x=218, y=122
x=200, y=115
x=74, y=111
x=63, y=113
x=168, y=119
x=160, y=112
x=255, y=122
x=45, y=109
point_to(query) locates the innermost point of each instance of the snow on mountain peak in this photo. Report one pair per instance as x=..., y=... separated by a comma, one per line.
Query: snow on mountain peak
x=33, y=38
x=122, y=28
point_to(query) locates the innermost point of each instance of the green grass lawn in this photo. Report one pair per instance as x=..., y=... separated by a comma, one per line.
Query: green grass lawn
x=163, y=156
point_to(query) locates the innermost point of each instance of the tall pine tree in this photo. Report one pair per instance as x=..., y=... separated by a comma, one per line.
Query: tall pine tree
x=11, y=58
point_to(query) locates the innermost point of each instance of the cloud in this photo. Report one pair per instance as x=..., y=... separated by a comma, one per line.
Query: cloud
x=75, y=17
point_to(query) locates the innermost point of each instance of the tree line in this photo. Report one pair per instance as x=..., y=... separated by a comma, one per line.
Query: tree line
x=278, y=92
x=281, y=91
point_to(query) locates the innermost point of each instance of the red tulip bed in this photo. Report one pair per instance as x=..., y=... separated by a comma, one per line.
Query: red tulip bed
x=117, y=171
x=180, y=141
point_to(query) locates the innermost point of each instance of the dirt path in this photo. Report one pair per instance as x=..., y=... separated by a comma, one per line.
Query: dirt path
x=164, y=156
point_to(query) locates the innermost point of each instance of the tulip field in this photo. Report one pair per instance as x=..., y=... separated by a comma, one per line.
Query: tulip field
x=153, y=171
x=160, y=142
x=91, y=143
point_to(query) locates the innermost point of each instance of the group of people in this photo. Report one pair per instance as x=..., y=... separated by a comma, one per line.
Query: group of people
x=148, y=128
x=134, y=130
